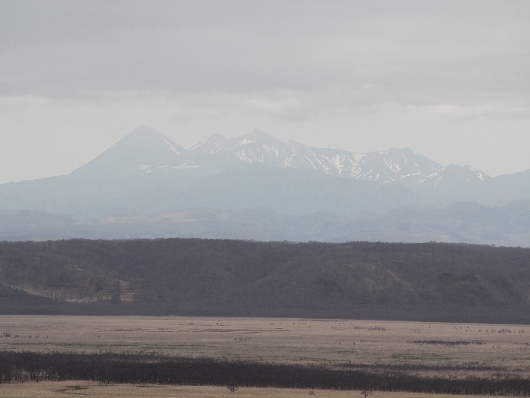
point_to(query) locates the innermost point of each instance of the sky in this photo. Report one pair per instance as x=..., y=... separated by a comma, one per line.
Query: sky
x=448, y=79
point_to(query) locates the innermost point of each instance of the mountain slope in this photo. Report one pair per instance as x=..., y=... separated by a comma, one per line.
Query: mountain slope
x=142, y=149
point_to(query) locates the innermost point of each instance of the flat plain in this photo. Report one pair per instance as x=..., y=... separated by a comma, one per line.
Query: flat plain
x=455, y=350
x=96, y=390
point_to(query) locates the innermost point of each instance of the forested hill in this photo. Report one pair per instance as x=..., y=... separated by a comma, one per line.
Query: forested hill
x=431, y=281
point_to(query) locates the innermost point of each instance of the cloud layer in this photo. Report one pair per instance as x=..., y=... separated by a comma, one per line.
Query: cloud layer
x=449, y=79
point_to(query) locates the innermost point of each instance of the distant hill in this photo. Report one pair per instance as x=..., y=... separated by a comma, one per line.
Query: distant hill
x=468, y=222
x=430, y=281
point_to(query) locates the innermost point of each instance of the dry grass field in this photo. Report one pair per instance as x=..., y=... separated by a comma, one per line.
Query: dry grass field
x=328, y=342
x=91, y=389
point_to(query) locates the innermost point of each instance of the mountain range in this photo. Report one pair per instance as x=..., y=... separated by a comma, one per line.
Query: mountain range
x=149, y=151
x=236, y=186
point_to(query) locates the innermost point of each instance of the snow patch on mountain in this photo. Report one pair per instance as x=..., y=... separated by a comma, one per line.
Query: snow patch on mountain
x=147, y=150
x=397, y=165
x=170, y=145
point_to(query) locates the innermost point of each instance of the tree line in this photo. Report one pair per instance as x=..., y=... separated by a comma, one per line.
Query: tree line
x=138, y=369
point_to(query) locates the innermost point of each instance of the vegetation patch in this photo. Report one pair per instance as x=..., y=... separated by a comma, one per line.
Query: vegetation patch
x=415, y=357
x=136, y=369
x=448, y=343
x=74, y=388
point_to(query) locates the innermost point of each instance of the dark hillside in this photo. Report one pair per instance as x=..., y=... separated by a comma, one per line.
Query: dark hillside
x=437, y=282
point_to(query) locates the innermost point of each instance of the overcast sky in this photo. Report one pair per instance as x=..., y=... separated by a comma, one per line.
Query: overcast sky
x=448, y=79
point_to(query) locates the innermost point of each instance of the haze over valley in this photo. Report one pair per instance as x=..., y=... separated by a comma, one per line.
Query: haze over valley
x=257, y=187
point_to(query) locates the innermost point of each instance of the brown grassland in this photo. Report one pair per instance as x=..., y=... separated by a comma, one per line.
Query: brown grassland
x=449, y=350
x=90, y=389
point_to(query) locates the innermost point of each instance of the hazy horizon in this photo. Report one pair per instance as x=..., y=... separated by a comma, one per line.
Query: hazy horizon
x=449, y=80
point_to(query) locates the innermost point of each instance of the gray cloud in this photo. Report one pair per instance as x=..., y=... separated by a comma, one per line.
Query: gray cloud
x=67, y=48
x=361, y=75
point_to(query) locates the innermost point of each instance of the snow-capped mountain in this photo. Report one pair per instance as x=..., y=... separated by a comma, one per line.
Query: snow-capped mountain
x=148, y=151
x=394, y=166
x=146, y=172
x=390, y=166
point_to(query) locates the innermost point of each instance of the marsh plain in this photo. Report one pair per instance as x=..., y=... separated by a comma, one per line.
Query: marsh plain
x=97, y=390
x=445, y=349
